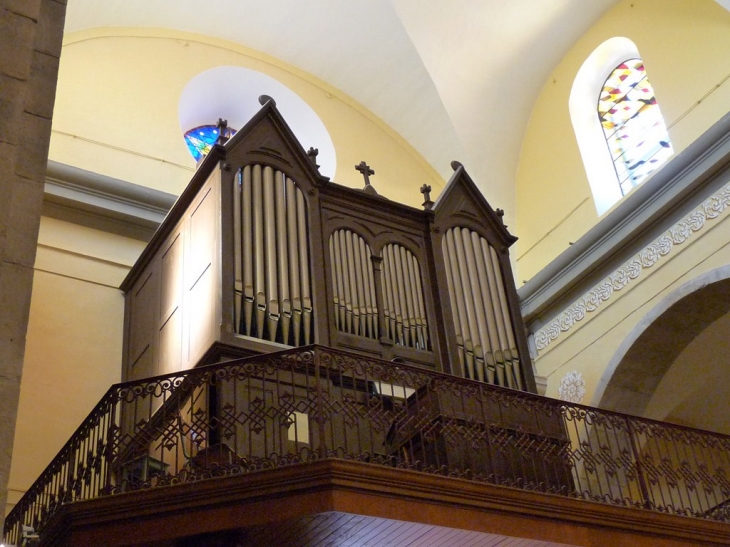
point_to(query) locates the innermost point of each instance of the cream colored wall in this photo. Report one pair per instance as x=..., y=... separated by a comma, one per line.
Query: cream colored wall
x=117, y=100
x=595, y=344
x=686, y=48
x=116, y=114
x=74, y=341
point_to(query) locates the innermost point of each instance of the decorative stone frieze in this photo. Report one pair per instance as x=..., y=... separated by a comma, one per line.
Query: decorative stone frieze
x=710, y=209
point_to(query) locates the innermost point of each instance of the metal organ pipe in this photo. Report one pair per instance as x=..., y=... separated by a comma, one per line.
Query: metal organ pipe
x=237, y=266
x=485, y=338
x=456, y=292
x=346, y=276
x=247, y=255
x=282, y=255
x=302, y=234
x=492, y=338
x=272, y=289
x=371, y=307
x=514, y=378
x=402, y=277
x=259, y=264
x=294, y=265
x=353, y=287
x=359, y=281
x=272, y=292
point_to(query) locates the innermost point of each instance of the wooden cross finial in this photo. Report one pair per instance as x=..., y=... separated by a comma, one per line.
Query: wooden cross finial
x=366, y=171
x=222, y=126
x=427, y=203
x=312, y=153
x=500, y=214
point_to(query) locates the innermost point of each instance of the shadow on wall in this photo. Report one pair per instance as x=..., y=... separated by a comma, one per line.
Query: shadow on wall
x=645, y=357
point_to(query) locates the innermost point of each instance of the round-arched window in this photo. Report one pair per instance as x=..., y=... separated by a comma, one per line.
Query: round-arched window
x=632, y=124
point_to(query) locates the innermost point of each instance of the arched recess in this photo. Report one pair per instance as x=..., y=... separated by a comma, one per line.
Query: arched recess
x=661, y=337
x=587, y=87
x=232, y=92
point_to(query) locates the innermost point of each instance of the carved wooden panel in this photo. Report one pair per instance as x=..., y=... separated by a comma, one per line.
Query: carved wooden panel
x=171, y=273
x=200, y=273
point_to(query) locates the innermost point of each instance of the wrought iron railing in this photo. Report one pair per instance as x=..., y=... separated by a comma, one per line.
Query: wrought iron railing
x=312, y=403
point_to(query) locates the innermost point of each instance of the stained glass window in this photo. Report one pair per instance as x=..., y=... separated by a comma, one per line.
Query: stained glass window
x=632, y=123
x=201, y=139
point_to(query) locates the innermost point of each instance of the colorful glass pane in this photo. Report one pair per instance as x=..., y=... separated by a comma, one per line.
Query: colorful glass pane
x=632, y=124
x=201, y=139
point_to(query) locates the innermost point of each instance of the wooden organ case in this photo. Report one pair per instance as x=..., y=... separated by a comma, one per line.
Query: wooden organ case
x=261, y=253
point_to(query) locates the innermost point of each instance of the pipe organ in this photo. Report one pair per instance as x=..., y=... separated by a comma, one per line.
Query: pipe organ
x=261, y=253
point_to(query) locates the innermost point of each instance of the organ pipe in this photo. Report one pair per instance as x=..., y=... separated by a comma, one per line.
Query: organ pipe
x=404, y=305
x=353, y=287
x=247, y=245
x=237, y=266
x=485, y=339
x=272, y=292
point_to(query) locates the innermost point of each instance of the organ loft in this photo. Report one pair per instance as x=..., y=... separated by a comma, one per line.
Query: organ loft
x=262, y=253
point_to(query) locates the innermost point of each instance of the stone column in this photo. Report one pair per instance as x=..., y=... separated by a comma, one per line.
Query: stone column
x=30, y=46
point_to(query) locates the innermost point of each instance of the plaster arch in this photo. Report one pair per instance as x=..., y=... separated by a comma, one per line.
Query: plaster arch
x=654, y=344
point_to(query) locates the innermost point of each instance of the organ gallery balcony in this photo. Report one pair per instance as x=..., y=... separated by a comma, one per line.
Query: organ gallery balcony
x=234, y=438
x=310, y=364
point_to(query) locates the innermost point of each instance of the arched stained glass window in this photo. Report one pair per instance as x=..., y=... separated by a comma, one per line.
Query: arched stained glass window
x=632, y=124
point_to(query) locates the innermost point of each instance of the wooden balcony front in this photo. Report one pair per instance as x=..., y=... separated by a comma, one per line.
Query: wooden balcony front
x=324, y=444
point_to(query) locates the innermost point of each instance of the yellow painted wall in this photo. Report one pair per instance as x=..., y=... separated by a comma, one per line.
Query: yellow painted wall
x=593, y=344
x=116, y=114
x=685, y=45
x=74, y=341
x=117, y=111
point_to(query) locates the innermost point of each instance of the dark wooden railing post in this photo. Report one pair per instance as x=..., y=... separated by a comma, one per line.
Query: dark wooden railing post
x=639, y=468
x=112, y=426
x=316, y=351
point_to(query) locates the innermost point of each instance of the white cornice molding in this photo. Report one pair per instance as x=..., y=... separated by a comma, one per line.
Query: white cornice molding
x=710, y=210
x=687, y=180
x=103, y=202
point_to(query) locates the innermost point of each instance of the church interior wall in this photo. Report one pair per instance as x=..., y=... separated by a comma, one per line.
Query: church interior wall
x=685, y=47
x=117, y=112
x=74, y=340
x=116, y=115
x=595, y=345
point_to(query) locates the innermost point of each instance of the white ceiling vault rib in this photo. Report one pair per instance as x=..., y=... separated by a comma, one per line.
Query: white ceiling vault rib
x=457, y=80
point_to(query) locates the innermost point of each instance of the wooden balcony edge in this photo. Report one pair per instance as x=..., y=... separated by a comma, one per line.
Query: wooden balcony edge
x=270, y=496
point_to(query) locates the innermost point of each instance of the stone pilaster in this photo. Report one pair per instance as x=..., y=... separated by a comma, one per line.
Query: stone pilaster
x=30, y=46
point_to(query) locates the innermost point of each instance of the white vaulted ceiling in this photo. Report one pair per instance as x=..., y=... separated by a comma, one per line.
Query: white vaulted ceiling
x=457, y=79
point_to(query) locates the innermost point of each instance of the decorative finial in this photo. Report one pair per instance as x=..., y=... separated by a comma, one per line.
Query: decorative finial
x=500, y=214
x=312, y=153
x=263, y=99
x=366, y=171
x=455, y=165
x=427, y=203
x=222, y=127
